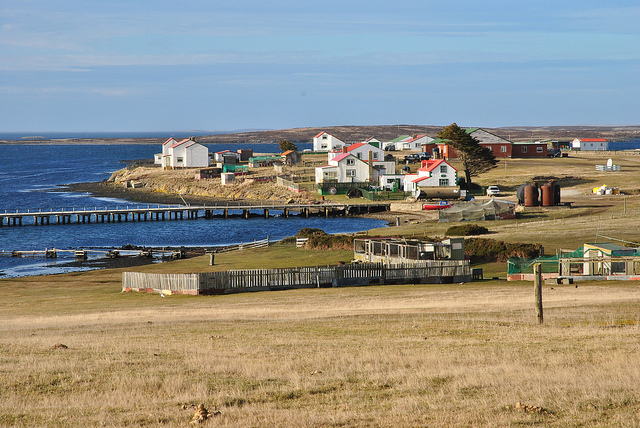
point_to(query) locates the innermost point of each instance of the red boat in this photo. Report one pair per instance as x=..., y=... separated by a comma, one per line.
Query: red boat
x=439, y=206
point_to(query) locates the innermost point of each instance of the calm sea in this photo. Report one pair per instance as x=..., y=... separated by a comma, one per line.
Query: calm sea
x=31, y=177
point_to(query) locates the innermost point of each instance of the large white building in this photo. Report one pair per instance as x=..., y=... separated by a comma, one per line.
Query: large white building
x=590, y=144
x=182, y=154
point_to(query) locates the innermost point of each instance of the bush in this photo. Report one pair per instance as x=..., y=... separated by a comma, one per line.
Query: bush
x=307, y=232
x=467, y=230
x=330, y=242
x=490, y=250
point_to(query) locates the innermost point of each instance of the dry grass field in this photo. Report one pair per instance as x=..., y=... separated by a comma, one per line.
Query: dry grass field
x=76, y=351
x=428, y=355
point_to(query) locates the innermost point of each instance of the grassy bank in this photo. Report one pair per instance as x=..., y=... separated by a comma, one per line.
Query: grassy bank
x=76, y=351
x=436, y=355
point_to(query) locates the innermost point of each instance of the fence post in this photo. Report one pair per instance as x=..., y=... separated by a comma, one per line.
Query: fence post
x=537, y=290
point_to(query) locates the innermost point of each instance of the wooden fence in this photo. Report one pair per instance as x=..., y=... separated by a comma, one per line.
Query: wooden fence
x=243, y=246
x=238, y=281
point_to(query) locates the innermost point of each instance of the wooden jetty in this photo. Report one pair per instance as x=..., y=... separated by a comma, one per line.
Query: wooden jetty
x=178, y=212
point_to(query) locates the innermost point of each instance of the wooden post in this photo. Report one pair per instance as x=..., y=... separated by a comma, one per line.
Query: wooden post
x=537, y=290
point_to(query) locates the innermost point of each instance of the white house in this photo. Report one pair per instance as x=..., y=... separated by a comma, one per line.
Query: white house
x=590, y=144
x=413, y=143
x=432, y=173
x=347, y=168
x=325, y=142
x=157, y=158
x=361, y=151
x=185, y=154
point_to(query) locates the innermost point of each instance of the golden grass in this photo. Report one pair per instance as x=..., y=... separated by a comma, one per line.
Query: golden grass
x=430, y=355
x=388, y=356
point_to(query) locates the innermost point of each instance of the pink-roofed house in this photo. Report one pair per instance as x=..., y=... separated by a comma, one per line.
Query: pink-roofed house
x=184, y=154
x=157, y=158
x=432, y=173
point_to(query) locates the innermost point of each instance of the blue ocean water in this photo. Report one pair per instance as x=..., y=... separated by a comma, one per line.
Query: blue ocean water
x=31, y=176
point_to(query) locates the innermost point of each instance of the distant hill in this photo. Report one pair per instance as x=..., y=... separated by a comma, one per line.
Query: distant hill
x=352, y=134
x=389, y=132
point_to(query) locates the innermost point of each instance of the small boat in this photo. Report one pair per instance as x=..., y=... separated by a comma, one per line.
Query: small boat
x=439, y=206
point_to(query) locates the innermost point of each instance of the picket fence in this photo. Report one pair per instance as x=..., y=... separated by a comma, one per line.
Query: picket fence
x=237, y=281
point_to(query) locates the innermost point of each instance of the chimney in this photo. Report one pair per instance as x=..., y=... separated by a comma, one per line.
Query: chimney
x=370, y=165
x=344, y=149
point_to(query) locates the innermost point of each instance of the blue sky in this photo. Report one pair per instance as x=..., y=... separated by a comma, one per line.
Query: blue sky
x=78, y=65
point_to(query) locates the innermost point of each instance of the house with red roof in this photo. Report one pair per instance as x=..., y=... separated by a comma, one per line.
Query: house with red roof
x=348, y=168
x=590, y=144
x=361, y=151
x=157, y=158
x=432, y=173
x=184, y=154
x=325, y=142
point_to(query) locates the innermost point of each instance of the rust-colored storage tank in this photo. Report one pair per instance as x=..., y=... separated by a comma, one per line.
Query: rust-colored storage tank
x=548, y=195
x=531, y=195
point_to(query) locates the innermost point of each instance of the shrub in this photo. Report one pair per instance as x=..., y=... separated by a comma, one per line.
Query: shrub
x=330, y=242
x=307, y=232
x=483, y=249
x=467, y=230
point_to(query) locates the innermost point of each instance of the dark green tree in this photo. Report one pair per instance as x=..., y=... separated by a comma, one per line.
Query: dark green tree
x=474, y=158
x=287, y=145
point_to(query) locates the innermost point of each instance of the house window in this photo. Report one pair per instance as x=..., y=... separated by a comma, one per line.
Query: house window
x=324, y=137
x=375, y=155
x=539, y=149
x=523, y=149
x=351, y=161
x=443, y=182
x=351, y=173
x=443, y=169
x=323, y=146
x=490, y=148
x=179, y=160
x=503, y=149
x=359, y=155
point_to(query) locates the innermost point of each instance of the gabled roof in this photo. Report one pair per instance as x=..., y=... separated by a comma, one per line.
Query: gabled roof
x=169, y=141
x=182, y=142
x=323, y=132
x=419, y=179
x=593, y=140
x=417, y=137
x=342, y=156
x=401, y=138
x=355, y=146
x=288, y=152
x=430, y=165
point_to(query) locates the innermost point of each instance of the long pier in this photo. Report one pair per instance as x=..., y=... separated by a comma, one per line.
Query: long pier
x=177, y=212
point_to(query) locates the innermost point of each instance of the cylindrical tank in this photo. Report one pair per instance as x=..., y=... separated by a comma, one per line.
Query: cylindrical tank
x=520, y=193
x=436, y=192
x=556, y=193
x=530, y=195
x=547, y=195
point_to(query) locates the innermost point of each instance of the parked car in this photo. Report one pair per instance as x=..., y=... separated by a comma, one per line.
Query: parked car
x=417, y=157
x=493, y=191
x=554, y=153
